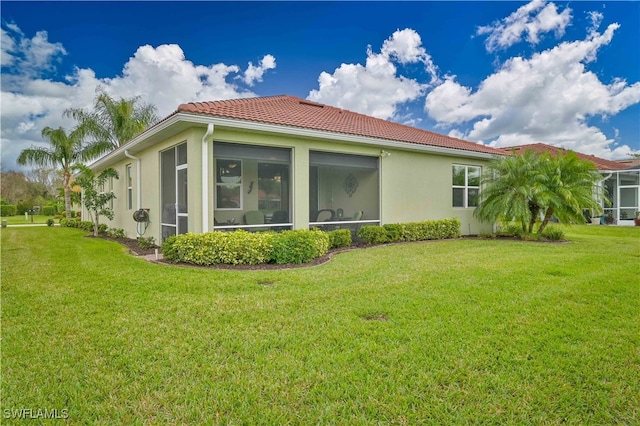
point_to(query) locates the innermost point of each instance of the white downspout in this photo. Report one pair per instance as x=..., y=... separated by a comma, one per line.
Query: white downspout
x=138, y=182
x=205, y=177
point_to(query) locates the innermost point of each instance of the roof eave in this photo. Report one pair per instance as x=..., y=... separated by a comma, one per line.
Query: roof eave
x=137, y=144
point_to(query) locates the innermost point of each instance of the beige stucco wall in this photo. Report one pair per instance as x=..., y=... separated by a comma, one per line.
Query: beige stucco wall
x=414, y=185
x=418, y=186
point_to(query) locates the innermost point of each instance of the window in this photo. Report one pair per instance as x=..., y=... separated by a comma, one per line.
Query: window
x=466, y=185
x=228, y=184
x=129, y=176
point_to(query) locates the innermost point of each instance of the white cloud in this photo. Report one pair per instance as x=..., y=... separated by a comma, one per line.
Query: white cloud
x=376, y=88
x=162, y=76
x=253, y=73
x=533, y=19
x=546, y=98
x=7, y=48
x=28, y=56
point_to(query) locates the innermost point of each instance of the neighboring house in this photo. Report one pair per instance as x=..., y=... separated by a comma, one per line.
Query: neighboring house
x=286, y=163
x=621, y=181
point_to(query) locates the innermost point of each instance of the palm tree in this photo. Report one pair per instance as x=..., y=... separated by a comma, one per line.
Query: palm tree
x=568, y=187
x=521, y=187
x=509, y=190
x=65, y=150
x=114, y=121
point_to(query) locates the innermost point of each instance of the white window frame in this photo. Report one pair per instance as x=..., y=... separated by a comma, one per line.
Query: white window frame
x=228, y=185
x=466, y=185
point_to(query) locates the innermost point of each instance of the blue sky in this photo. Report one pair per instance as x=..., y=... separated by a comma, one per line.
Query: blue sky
x=498, y=73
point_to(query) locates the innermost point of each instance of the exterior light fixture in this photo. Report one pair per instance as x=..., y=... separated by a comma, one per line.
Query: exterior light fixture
x=385, y=154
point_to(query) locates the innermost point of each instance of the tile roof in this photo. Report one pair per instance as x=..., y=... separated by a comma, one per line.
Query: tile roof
x=295, y=112
x=600, y=163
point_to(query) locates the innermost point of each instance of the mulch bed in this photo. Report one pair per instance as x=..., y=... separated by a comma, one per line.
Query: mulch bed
x=131, y=244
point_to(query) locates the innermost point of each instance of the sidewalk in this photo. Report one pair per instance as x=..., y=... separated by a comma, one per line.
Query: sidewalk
x=18, y=225
x=152, y=257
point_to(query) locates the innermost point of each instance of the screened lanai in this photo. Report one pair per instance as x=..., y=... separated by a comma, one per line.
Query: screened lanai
x=623, y=190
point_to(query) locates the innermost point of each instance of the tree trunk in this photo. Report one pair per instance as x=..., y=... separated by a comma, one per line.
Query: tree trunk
x=66, y=184
x=547, y=217
x=534, y=209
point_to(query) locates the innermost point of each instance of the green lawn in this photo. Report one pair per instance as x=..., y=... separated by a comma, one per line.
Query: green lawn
x=19, y=219
x=446, y=332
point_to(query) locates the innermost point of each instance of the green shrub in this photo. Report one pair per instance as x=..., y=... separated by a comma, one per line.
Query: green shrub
x=73, y=213
x=299, y=246
x=115, y=233
x=8, y=210
x=339, y=238
x=49, y=210
x=102, y=228
x=50, y=222
x=373, y=234
x=171, y=249
x=553, y=233
x=212, y=248
x=145, y=242
x=86, y=225
x=70, y=223
x=246, y=248
x=510, y=230
x=412, y=231
x=395, y=231
x=24, y=207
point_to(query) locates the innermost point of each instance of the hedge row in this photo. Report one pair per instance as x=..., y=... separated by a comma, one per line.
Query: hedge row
x=8, y=210
x=412, y=231
x=246, y=248
x=85, y=225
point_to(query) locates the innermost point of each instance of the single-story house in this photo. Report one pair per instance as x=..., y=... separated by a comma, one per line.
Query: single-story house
x=621, y=181
x=283, y=162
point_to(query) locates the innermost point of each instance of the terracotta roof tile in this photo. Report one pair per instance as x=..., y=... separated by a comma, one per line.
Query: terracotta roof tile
x=295, y=112
x=600, y=163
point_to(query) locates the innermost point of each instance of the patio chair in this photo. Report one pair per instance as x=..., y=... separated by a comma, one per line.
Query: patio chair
x=356, y=226
x=280, y=216
x=325, y=215
x=254, y=217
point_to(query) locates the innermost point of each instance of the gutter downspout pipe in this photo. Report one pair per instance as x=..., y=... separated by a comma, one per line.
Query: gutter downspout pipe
x=138, y=183
x=205, y=177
